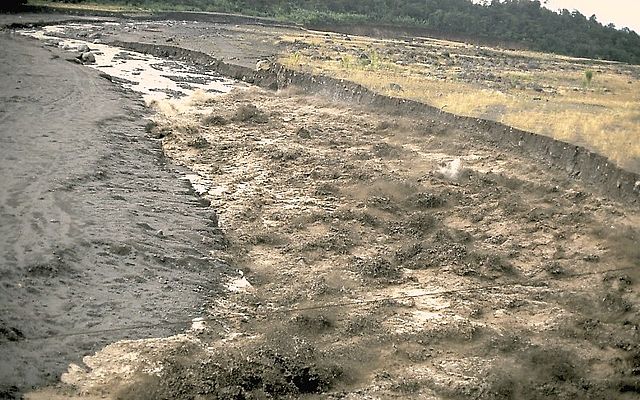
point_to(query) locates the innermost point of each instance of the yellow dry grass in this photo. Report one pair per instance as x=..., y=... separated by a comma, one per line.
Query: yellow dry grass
x=603, y=116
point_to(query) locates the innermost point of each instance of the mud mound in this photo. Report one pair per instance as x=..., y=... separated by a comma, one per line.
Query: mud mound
x=249, y=113
x=539, y=373
x=284, y=370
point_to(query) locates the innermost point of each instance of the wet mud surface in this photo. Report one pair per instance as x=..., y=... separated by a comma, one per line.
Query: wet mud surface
x=383, y=255
x=466, y=271
x=98, y=230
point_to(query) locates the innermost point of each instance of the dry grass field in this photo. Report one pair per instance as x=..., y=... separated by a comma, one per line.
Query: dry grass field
x=541, y=93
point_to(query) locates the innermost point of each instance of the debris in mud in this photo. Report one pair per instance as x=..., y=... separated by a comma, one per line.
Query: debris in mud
x=337, y=240
x=415, y=256
x=9, y=333
x=327, y=189
x=313, y=324
x=554, y=269
x=361, y=325
x=415, y=225
x=425, y=200
x=378, y=268
x=284, y=370
x=284, y=154
x=536, y=373
x=266, y=238
x=303, y=133
x=48, y=269
x=214, y=120
x=249, y=113
x=488, y=266
x=382, y=203
x=615, y=303
x=199, y=143
x=385, y=150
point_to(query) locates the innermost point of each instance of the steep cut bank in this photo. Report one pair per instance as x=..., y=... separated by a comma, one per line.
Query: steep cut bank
x=576, y=161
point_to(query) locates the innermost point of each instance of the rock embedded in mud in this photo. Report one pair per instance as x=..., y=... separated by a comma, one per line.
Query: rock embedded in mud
x=263, y=65
x=10, y=334
x=88, y=58
x=156, y=131
x=303, y=133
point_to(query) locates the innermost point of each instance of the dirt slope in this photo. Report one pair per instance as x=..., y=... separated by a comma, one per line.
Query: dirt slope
x=98, y=231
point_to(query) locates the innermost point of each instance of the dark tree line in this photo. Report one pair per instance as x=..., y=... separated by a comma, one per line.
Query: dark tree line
x=12, y=5
x=516, y=21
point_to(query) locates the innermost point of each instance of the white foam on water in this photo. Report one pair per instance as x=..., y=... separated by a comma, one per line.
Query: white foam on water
x=199, y=184
x=155, y=78
x=452, y=169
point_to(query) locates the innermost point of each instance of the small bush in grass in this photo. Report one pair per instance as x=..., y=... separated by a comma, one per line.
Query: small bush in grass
x=588, y=77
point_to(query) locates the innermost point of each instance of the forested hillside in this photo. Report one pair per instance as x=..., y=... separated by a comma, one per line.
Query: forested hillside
x=518, y=21
x=11, y=5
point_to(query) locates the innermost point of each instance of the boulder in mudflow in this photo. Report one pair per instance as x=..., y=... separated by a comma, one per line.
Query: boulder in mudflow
x=88, y=58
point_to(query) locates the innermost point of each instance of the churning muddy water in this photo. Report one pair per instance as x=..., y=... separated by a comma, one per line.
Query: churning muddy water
x=155, y=78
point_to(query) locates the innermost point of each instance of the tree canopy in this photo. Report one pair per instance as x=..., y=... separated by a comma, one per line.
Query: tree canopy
x=12, y=5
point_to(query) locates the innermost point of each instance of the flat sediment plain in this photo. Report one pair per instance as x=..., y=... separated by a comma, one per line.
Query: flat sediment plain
x=325, y=248
x=98, y=230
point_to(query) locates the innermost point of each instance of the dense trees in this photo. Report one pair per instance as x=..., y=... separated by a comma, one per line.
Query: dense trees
x=519, y=21
x=11, y=5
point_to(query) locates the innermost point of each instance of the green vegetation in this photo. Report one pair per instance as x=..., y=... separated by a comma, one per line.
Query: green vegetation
x=520, y=22
x=588, y=76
